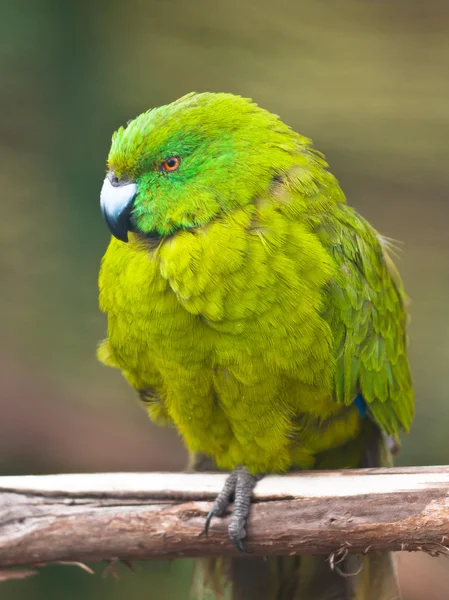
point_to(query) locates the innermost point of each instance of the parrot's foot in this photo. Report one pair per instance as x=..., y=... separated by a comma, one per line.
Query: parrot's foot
x=238, y=487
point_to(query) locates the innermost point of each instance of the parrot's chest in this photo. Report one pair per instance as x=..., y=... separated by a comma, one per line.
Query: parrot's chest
x=148, y=327
x=224, y=381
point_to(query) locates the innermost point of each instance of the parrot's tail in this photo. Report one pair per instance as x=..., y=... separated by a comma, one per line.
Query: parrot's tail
x=300, y=577
x=305, y=577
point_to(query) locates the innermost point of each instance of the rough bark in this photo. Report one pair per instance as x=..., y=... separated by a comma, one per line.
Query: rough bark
x=132, y=516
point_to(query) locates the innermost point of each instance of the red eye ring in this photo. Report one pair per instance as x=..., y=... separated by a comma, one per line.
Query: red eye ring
x=170, y=164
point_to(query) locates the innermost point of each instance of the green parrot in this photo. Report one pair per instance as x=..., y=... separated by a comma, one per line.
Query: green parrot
x=253, y=309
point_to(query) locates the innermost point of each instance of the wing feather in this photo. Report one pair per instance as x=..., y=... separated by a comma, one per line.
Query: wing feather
x=366, y=308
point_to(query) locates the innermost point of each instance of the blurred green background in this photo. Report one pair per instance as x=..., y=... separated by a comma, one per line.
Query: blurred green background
x=367, y=80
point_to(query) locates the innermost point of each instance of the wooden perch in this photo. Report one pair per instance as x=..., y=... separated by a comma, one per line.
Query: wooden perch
x=130, y=516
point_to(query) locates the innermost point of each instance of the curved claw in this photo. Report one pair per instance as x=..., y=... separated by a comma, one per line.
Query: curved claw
x=209, y=518
x=240, y=547
x=222, y=500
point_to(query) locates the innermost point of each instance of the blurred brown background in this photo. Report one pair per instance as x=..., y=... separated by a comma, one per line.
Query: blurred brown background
x=367, y=80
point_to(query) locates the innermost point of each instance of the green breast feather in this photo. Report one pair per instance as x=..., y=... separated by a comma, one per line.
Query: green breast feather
x=250, y=305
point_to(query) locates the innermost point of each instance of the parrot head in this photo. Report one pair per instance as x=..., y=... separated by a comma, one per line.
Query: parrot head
x=180, y=166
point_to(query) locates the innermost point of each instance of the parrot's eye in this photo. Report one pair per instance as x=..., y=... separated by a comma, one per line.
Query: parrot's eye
x=170, y=164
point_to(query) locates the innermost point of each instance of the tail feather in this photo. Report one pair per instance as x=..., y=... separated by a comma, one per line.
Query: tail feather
x=300, y=577
x=378, y=579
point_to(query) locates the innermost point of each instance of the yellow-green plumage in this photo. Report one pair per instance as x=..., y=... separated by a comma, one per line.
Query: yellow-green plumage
x=251, y=304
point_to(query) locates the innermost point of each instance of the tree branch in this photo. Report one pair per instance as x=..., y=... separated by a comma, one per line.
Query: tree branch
x=131, y=516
